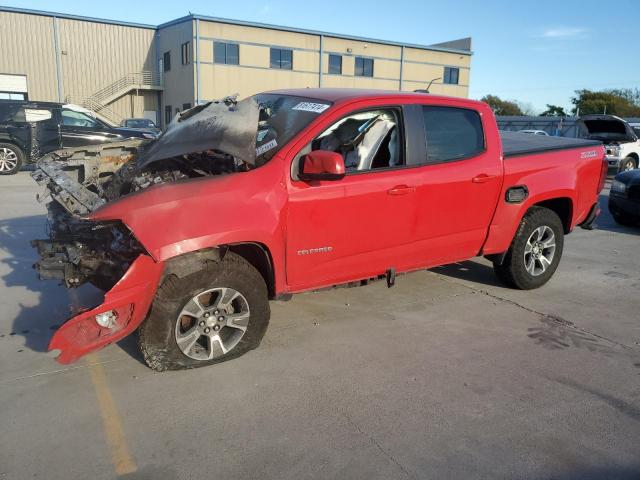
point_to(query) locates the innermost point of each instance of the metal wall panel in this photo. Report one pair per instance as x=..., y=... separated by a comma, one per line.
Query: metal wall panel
x=94, y=55
x=180, y=81
x=27, y=48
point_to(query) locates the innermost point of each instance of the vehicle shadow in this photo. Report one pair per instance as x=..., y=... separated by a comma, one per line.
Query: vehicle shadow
x=471, y=271
x=45, y=305
x=606, y=222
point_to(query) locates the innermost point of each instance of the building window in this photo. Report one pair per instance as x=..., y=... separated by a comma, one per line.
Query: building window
x=166, y=61
x=282, y=58
x=335, y=64
x=451, y=75
x=185, y=53
x=364, y=67
x=228, y=53
x=186, y=106
x=167, y=115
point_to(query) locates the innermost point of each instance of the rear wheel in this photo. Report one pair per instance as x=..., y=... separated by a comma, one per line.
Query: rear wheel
x=216, y=314
x=628, y=163
x=535, y=251
x=11, y=158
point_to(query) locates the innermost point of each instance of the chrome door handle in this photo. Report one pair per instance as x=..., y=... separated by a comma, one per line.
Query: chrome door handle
x=401, y=190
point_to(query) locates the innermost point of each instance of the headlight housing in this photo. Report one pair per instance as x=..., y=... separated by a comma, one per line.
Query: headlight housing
x=618, y=187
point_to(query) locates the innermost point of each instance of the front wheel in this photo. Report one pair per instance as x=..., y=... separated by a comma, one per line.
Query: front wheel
x=628, y=163
x=11, y=158
x=207, y=317
x=535, y=251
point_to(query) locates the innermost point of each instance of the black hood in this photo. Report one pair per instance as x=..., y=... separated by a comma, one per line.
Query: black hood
x=606, y=128
x=225, y=125
x=630, y=177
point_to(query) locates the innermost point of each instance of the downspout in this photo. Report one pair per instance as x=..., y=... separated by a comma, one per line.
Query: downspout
x=321, y=60
x=56, y=46
x=197, y=52
x=401, y=66
x=160, y=93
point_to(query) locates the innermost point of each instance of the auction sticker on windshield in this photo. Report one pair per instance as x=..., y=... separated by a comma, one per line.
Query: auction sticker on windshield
x=266, y=147
x=311, y=107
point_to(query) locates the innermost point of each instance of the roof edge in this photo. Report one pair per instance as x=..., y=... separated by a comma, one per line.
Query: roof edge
x=43, y=13
x=244, y=23
x=442, y=47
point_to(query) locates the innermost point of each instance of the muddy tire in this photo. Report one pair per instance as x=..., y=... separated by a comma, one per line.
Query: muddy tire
x=210, y=316
x=535, y=251
x=11, y=159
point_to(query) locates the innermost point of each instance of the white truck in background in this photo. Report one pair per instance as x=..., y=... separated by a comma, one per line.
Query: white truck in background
x=621, y=139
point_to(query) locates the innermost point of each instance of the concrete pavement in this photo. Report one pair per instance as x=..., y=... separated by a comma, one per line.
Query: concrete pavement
x=447, y=375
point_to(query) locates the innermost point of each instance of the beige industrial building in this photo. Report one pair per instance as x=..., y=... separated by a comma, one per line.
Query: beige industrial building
x=121, y=69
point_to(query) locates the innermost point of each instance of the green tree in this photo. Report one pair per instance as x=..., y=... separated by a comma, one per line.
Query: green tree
x=554, y=111
x=621, y=102
x=502, y=107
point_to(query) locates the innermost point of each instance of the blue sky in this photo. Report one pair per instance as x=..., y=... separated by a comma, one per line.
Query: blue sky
x=534, y=52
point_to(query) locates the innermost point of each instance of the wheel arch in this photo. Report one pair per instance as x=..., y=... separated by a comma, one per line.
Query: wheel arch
x=16, y=143
x=561, y=206
x=255, y=253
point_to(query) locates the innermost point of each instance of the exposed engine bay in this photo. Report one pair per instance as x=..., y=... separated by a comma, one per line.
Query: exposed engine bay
x=213, y=139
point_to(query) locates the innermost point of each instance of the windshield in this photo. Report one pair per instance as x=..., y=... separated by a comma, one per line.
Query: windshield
x=281, y=118
x=139, y=123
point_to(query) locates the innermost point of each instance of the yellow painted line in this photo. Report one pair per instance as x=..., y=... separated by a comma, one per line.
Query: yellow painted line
x=112, y=424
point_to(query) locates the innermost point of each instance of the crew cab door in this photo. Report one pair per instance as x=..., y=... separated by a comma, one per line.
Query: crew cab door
x=78, y=128
x=459, y=185
x=363, y=224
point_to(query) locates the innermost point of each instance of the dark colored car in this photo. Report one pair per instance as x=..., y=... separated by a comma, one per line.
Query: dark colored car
x=143, y=124
x=624, y=198
x=29, y=130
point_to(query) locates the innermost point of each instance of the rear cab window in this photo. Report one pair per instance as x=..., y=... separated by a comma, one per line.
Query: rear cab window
x=452, y=133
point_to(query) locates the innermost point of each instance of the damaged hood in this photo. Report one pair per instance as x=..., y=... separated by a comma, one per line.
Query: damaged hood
x=226, y=125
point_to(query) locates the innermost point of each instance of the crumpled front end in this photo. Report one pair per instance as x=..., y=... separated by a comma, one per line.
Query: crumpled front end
x=124, y=308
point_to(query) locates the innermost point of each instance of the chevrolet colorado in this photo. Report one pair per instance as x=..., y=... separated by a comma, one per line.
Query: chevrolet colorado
x=238, y=203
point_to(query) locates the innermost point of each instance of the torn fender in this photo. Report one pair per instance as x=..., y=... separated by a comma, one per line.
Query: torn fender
x=131, y=298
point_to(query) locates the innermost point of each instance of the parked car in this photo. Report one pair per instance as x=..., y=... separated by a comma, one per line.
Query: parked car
x=296, y=190
x=29, y=130
x=143, y=124
x=624, y=198
x=534, y=132
x=620, y=138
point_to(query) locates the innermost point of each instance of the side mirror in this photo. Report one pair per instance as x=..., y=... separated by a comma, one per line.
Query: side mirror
x=321, y=165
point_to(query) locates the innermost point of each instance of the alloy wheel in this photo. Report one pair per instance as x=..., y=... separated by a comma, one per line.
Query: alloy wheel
x=539, y=250
x=212, y=323
x=8, y=159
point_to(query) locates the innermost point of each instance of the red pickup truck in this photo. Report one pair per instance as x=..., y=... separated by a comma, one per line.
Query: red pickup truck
x=294, y=190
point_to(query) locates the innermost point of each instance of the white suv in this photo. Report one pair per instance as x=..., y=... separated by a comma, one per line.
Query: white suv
x=620, y=139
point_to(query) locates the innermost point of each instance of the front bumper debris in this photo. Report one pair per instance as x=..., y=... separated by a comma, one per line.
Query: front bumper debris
x=129, y=301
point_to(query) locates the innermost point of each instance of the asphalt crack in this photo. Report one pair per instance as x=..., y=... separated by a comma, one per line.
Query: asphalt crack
x=545, y=317
x=376, y=444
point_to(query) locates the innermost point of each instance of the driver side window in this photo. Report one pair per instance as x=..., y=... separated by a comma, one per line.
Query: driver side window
x=366, y=140
x=77, y=119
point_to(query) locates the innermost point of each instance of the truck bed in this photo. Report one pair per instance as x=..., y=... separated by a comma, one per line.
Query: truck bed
x=515, y=143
